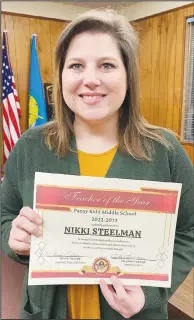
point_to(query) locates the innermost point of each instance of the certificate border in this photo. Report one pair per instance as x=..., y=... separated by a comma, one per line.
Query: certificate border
x=88, y=274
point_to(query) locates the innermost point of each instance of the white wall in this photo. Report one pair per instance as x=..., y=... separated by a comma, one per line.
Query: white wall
x=144, y=9
x=58, y=10
x=68, y=11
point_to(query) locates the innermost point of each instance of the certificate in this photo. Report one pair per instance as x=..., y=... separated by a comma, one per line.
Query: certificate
x=94, y=228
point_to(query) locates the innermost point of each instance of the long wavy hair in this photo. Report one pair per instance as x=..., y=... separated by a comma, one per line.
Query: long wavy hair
x=135, y=134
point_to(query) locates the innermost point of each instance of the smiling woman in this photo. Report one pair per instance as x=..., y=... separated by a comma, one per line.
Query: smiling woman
x=96, y=64
x=97, y=130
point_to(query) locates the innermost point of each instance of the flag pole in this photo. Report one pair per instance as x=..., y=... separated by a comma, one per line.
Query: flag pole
x=34, y=34
x=7, y=45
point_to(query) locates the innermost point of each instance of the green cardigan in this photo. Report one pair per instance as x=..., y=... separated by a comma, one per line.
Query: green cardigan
x=31, y=154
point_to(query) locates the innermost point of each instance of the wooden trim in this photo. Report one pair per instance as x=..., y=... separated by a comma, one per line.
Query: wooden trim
x=189, y=144
x=163, y=12
x=32, y=16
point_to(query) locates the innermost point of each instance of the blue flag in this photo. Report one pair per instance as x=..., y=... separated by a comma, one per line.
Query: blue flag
x=37, y=105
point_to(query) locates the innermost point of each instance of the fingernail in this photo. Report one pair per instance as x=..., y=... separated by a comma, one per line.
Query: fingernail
x=38, y=221
x=39, y=232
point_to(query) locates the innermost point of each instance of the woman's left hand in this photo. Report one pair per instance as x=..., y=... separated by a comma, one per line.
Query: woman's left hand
x=127, y=300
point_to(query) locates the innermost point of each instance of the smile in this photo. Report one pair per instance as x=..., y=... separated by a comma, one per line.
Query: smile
x=92, y=99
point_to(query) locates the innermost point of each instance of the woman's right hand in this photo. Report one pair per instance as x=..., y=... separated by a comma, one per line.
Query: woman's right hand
x=27, y=223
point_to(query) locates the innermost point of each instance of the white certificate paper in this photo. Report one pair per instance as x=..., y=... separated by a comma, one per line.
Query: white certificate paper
x=94, y=228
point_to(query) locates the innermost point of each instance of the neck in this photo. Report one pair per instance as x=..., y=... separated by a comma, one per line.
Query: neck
x=96, y=136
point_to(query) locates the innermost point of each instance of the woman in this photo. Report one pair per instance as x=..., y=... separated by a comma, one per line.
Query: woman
x=97, y=130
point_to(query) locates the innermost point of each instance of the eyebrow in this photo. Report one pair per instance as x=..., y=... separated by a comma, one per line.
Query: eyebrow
x=81, y=59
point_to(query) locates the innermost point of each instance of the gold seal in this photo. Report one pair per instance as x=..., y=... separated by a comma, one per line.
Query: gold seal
x=101, y=265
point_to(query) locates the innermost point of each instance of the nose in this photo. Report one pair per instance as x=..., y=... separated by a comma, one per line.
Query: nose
x=91, y=79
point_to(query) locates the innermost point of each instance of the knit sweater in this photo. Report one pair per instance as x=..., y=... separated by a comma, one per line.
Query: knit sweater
x=31, y=154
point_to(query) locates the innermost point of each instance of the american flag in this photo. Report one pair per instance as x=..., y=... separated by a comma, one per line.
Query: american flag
x=10, y=104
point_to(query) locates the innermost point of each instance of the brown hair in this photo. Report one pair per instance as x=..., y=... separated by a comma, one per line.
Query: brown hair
x=135, y=134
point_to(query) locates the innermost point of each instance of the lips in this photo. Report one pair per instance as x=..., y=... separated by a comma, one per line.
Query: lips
x=92, y=95
x=92, y=99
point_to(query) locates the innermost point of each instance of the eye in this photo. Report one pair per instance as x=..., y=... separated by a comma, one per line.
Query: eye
x=75, y=66
x=107, y=65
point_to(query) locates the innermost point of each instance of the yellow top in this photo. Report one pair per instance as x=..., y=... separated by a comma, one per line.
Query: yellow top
x=83, y=300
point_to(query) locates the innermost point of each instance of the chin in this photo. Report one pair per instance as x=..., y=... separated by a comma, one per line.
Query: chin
x=94, y=118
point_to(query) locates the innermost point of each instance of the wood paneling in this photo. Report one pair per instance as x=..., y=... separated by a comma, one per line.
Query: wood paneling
x=155, y=59
x=178, y=71
x=20, y=30
x=22, y=45
x=44, y=49
x=162, y=42
x=183, y=297
x=55, y=30
x=190, y=151
x=145, y=66
x=170, y=68
x=9, y=25
x=162, y=72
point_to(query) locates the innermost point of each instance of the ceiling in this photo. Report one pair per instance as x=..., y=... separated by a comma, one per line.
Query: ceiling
x=113, y=4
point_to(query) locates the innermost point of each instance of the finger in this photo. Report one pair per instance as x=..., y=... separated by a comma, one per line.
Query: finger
x=113, y=291
x=119, y=288
x=31, y=215
x=20, y=235
x=109, y=285
x=111, y=288
x=28, y=226
x=18, y=245
x=107, y=294
x=132, y=288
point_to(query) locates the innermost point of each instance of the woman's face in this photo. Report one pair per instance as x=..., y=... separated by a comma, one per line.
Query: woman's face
x=94, y=80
